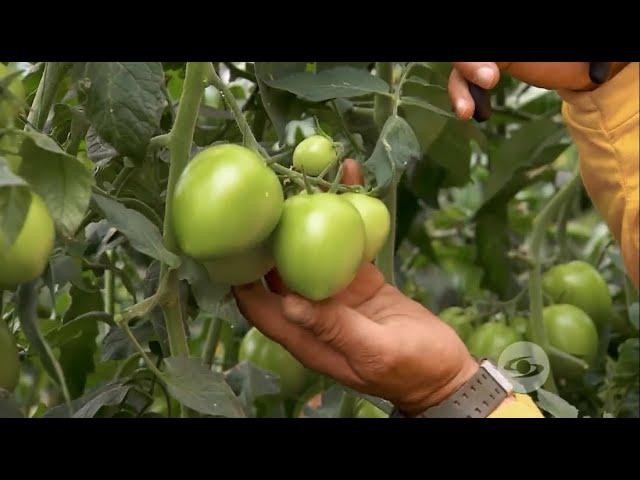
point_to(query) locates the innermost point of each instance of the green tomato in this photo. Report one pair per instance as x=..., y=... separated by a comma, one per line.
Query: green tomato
x=27, y=257
x=377, y=221
x=314, y=154
x=460, y=319
x=241, y=268
x=318, y=244
x=226, y=201
x=367, y=409
x=9, y=359
x=269, y=355
x=577, y=283
x=490, y=340
x=520, y=324
x=9, y=108
x=571, y=330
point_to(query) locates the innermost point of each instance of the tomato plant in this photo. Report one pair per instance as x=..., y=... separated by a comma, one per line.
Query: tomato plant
x=314, y=154
x=134, y=195
x=318, y=244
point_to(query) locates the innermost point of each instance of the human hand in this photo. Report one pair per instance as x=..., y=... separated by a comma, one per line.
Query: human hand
x=369, y=337
x=550, y=75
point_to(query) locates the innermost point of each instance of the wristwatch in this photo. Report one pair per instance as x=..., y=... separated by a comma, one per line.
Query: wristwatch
x=476, y=398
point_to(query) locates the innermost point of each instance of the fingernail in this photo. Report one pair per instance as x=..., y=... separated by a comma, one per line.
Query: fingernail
x=461, y=108
x=485, y=77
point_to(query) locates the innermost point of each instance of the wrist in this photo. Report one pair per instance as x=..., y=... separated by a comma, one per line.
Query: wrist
x=615, y=68
x=449, y=386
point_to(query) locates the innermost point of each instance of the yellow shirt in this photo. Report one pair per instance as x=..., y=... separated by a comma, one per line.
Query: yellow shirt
x=604, y=124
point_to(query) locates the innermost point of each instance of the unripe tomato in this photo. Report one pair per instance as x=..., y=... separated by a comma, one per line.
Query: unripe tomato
x=571, y=330
x=8, y=108
x=367, y=409
x=490, y=340
x=9, y=359
x=314, y=154
x=27, y=257
x=318, y=244
x=377, y=221
x=269, y=355
x=241, y=268
x=460, y=319
x=577, y=283
x=520, y=324
x=226, y=201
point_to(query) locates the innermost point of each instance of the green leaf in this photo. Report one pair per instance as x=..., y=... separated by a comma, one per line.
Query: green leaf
x=101, y=395
x=116, y=345
x=15, y=200
x=75, y=328
x=396, y=148
x=77, y=355
x=125, y=102
x=143, y=235
x=534, y=144
x=207, y=293
x=63, y=182
x=626, y=367
x=99, y=151
x=113, y=395
x=281, y=106
x=555, y=405
x=201, y=389
x=339, y=82
x=250, y=382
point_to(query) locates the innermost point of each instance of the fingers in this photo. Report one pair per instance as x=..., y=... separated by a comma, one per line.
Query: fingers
x=342, y=328
x=264, y=310
x=352, y=172
x=369, y=280
x=461, y=99
x=483, y=74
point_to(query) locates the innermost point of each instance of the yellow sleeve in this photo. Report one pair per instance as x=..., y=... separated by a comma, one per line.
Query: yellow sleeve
x=520, y=407
x=604, y=124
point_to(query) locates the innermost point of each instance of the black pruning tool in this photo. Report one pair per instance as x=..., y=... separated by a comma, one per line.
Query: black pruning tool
x=598, y=73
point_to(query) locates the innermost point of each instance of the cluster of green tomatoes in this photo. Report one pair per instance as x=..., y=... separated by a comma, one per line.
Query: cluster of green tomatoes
x=230, y=213
x=580, y=307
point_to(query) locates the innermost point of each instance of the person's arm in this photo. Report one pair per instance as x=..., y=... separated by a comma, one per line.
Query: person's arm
x=605, y=126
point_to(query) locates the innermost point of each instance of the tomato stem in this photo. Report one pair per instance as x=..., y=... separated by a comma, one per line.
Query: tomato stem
x=383, y=109
x=211, y=343
x=347, y=406
x=45, y=94
x=247, y=135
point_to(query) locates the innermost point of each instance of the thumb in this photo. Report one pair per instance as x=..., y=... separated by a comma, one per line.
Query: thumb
x=343, y=328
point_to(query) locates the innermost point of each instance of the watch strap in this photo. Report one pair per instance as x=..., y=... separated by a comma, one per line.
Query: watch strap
x=476, y=398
